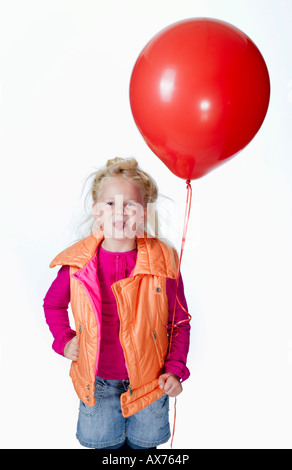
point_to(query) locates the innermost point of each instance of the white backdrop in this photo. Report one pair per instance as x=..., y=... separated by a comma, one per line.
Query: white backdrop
x=65, y=68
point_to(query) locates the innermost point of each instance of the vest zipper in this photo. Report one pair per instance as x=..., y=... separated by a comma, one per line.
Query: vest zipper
x=130, y=389
x=157, y=347
x=96, y=318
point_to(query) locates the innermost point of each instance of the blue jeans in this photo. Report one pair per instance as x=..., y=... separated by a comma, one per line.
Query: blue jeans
x=104, y=427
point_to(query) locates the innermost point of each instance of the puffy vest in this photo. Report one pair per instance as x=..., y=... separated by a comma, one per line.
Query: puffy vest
x=143, y=311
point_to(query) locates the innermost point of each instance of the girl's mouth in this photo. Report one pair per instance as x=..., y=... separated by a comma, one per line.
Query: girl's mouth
x=119, y=224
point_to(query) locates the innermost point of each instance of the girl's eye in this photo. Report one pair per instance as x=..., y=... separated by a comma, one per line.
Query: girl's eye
x=131, y=203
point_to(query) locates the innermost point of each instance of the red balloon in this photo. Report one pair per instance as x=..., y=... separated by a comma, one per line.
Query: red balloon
x=199, y=93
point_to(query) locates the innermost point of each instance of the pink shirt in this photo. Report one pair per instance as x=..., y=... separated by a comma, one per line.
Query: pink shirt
x=111, y=267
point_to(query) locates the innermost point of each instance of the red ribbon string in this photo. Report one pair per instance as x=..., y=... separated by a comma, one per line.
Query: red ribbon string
x=175, y=325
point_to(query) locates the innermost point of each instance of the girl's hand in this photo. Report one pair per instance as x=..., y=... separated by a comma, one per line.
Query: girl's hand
x=170, y=384
x=71, y=349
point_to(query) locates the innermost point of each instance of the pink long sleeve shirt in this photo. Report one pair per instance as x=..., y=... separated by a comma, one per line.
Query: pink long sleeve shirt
x=111, y=267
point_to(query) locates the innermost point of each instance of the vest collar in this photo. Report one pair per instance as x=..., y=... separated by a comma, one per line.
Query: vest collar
x=153, y=255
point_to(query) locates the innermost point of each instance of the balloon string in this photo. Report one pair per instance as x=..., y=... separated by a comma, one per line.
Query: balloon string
x=186, y=221
x=174, y=419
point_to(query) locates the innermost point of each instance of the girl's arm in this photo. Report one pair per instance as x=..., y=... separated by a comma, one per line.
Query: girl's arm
x=55, y=307
x=177, y=357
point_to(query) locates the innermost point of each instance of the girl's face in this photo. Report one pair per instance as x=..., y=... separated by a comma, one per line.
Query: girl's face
x=120, y=209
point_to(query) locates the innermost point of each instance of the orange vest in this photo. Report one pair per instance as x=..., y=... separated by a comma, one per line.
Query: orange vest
x=143, y=311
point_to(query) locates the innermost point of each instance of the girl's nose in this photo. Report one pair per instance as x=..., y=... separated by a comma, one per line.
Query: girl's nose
x=120, y=210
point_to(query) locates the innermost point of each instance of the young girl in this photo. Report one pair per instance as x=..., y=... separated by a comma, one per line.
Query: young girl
x=120, y=281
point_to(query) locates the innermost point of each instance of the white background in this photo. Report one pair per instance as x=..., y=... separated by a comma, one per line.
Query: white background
x=65, y=68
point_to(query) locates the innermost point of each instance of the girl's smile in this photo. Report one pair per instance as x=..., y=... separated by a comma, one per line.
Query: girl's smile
x=119, y=224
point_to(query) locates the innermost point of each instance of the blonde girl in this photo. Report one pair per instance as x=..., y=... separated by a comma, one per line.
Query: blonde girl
x=120, y=282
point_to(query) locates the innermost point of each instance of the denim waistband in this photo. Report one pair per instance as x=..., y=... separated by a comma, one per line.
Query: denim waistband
x=113, y=383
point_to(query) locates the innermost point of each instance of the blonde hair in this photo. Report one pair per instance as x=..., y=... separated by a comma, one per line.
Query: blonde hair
x=127, y=168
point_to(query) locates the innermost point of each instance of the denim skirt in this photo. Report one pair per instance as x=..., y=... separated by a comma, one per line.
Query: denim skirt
x=104, y=427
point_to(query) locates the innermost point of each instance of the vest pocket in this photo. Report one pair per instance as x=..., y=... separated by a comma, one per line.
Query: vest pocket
x=157, y=347
x=82, y=359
